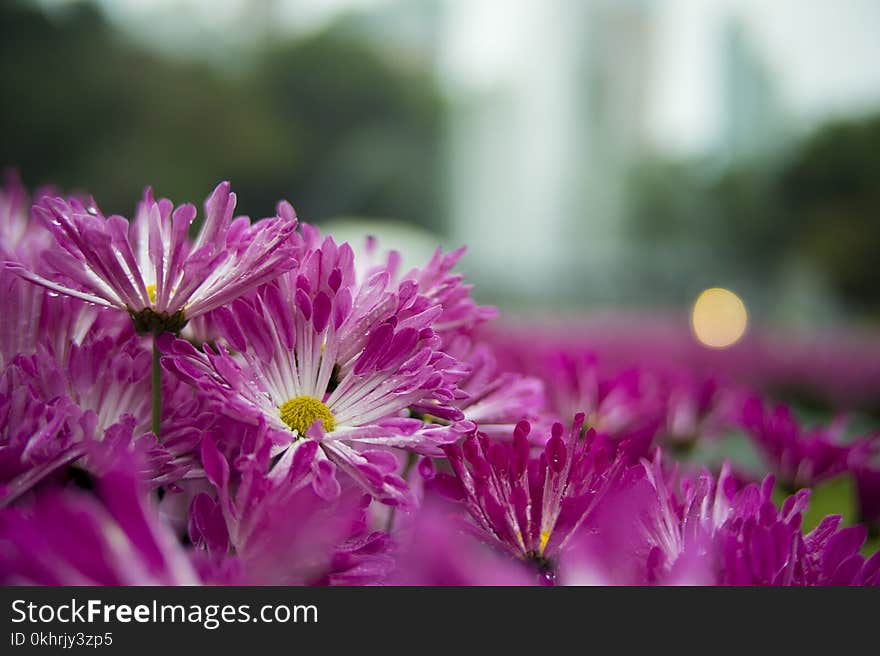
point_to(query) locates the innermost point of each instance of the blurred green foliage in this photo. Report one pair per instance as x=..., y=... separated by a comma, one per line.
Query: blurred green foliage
x=324, y=121
x=817, y=203
x=834, y=497
x=831, y=192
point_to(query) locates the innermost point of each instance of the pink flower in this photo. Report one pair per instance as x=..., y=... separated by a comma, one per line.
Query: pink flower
x=324, y=358
x=149, y=267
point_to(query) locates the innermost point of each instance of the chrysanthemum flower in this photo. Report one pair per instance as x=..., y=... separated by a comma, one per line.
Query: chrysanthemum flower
x=760, y=545
x=54, y=406
x=323, y=358
x=109, y=536
x=36, y=437
x=461, y=313
x=32, y=316
x=36, y=318
x=20, y=236
x=437, y=549
x=491, y=400
x=803, y=458
x=531, y=506
x=149, y=268
x=495, y=400
x=435, y=281
x=678, y=404
x=697, y=408
x=712, y=534
x=665, y=538
x=832, y=556
x=264, y=524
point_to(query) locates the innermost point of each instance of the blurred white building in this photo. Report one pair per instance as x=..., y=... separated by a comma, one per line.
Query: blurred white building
x=548, y=106
x=554, y=101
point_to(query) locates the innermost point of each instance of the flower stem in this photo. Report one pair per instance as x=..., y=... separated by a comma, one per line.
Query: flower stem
x=157, y=389
x=411, y=459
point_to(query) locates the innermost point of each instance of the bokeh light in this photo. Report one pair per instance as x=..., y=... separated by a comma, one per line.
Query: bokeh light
x=719, y=318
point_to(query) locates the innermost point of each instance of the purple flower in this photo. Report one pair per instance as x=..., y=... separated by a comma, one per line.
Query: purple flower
x=307, y=377
x=32, y=316
x=461, y=314
x=110, y=537
x=36, y=436
x=490, y=400
x=531, y=506
x=325, y=359
x=645, y=534
x=98, y=390
x=803, y=458
x=679, y=405
x=437, y=549
x=19, y=235
x=710, y=534
x=614, y=402
x=266, y=518
x=36, y=318
x=841, y=368
x=762, y=545
x=758, y=543
x=149, y=267
x=832, y=556
x=495, y=401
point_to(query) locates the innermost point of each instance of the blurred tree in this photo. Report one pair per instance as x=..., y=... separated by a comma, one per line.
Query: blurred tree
x=83, y=110
x=831, y=191
x=325, y=122
x=818, y=202
x=364, y=135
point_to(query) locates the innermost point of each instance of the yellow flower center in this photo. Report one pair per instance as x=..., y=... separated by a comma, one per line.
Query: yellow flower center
x=300, y=413
x=151, y=292
x=545, y=538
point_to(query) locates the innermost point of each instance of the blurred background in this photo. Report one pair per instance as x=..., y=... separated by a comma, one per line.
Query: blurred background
x=592, y=154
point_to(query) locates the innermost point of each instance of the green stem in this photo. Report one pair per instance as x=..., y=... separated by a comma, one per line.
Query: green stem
x=157, y=389
x=411, y=459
